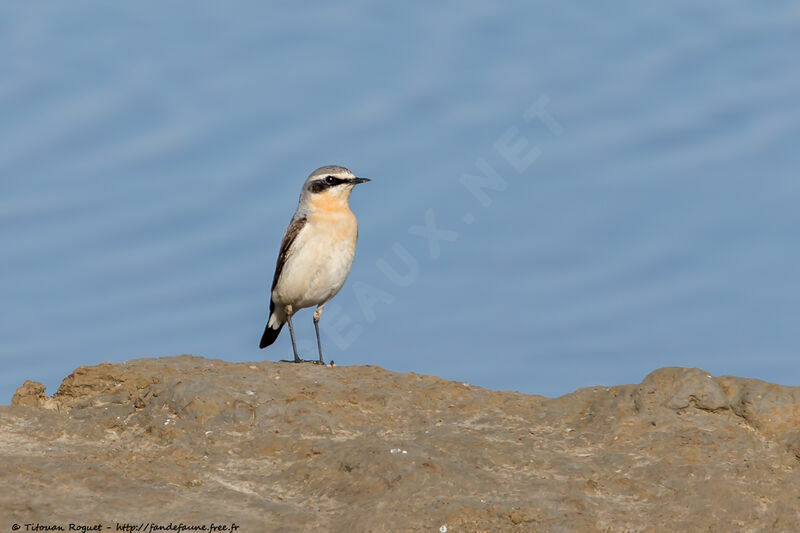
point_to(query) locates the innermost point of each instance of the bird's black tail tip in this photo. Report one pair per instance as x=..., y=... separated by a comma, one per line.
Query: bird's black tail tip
x=269, y=336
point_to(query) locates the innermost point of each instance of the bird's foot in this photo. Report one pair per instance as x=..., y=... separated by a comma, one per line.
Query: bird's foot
x=298, y=360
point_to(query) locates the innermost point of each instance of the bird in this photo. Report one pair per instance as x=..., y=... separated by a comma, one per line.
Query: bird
x=316, y=252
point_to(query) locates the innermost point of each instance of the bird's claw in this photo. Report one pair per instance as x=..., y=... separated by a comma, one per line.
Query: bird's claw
x=298, y=360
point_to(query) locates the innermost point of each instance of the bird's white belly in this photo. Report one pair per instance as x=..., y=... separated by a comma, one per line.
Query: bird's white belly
x=316, y=268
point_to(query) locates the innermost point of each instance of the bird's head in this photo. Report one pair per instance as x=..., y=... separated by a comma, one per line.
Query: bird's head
x=329, y=188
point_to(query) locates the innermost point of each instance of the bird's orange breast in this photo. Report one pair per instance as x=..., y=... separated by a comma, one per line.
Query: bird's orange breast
x=329, y=202
x=337, y=226
x=330, y=214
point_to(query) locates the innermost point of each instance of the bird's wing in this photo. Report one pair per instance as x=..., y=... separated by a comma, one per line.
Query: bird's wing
x=292, y=232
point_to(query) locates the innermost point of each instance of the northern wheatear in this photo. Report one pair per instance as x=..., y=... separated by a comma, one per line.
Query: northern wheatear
x=316, y=252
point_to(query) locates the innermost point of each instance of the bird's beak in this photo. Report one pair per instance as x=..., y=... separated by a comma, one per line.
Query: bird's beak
x=356, y=181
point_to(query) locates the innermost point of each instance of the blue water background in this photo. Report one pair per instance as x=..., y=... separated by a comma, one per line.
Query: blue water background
x=151, y=156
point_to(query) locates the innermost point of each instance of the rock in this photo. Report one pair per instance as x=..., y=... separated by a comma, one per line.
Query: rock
x=284, y=447
x=31, y=394
x=679, y=388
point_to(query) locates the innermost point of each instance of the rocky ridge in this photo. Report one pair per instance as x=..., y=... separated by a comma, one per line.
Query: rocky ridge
x=284, y=447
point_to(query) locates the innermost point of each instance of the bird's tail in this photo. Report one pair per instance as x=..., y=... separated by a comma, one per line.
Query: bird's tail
x=274, y=326
x=269, y=335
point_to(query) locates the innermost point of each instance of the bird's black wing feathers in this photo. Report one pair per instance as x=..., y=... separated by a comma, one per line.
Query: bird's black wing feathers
x=292, y=232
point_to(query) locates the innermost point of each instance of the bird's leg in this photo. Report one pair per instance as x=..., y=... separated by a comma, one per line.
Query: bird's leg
x=317, y=315
x=291, y=332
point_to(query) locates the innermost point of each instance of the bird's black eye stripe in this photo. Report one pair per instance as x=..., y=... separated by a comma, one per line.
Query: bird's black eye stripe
x=327, y=183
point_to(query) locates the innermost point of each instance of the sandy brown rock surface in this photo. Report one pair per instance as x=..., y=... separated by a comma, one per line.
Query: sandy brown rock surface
x=284, y=447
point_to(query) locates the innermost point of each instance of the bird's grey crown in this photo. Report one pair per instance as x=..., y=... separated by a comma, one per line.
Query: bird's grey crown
x=331, y=170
